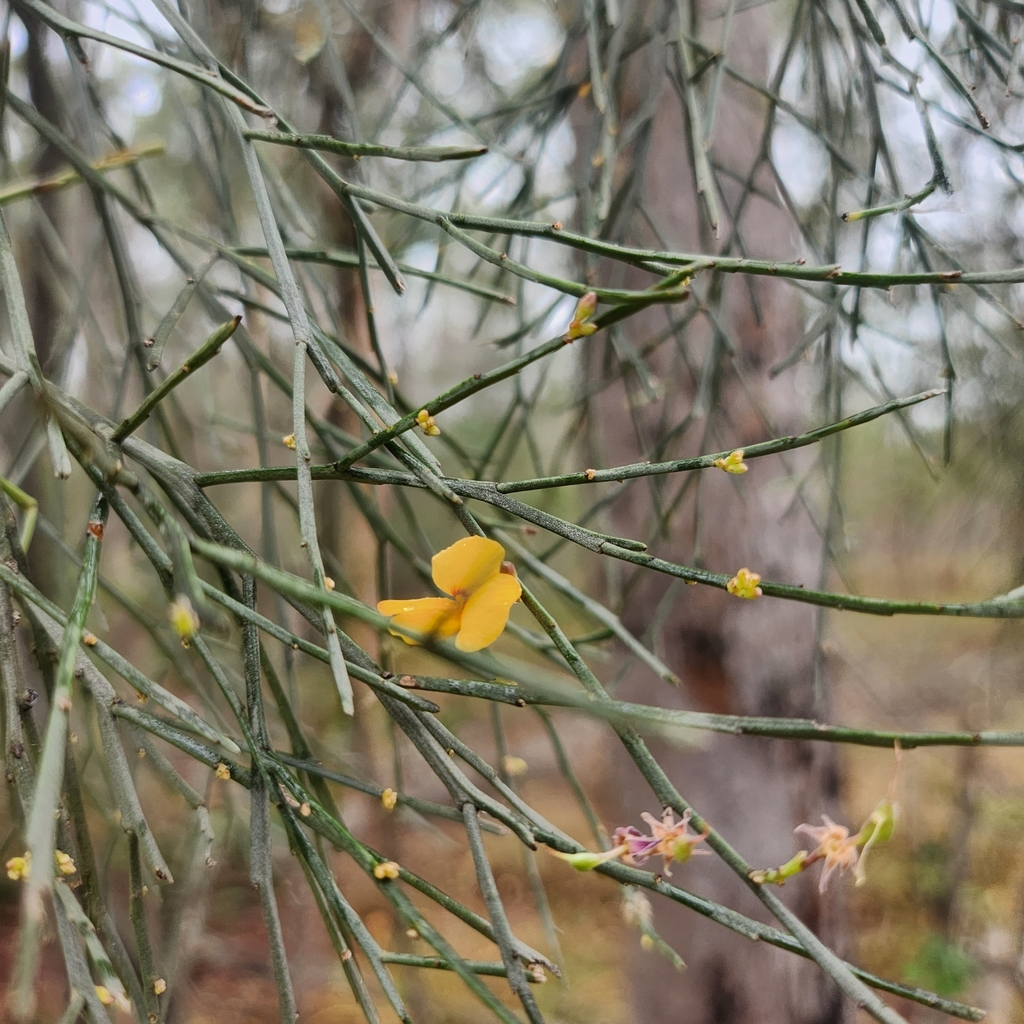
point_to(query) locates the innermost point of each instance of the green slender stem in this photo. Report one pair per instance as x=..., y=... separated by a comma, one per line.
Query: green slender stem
x=414, y=803
x=41, y=825
x=499, y=920
x=170, y=733
x=342, y=946
x=341, y=258
x=122, y=785
x=897, y=207
x=531, y=694
x=594, y=608
x=170, y=320
x=28, y=505
x=663, y=789
x=1010, y=606
x=304, y=346
x=75, y=30
x=753, y=451
x=121, y=665
x=686, y=85
x=140, y=926
x=199, y=358
x=104, y=970
x=25, y=353
x=329, y=144
x=492, y=970
x=18, y=379
x=346, y=913
x=333, y=831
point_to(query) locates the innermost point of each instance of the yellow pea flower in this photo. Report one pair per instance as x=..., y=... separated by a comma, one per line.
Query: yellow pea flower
x=479, y=601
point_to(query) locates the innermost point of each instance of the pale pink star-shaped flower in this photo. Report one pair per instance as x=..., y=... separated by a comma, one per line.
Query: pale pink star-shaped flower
x=835, y=846
x=668, y=838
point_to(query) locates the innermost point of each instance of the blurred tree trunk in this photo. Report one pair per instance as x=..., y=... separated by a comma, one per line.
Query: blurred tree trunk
x=734, y=656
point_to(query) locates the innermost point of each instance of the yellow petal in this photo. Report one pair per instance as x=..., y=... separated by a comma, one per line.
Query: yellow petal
x=437, y=617
x=486, y=612
x=467, y=565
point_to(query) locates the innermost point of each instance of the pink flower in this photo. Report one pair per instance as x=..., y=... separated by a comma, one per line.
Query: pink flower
x=668, y=838
x=835, y=846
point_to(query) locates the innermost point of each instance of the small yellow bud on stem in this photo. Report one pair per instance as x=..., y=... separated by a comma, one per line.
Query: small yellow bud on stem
x=426, y=423
x=733, y=462
x=580, y=325
x=744, y=584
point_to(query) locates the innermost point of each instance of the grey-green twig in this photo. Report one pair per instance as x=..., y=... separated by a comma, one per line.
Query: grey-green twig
x=750, y=451
x=27, y=504
x=199, y=358
x=329, y=144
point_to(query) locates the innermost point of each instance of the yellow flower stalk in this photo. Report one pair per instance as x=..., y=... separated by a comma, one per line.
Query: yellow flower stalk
x=479, y=601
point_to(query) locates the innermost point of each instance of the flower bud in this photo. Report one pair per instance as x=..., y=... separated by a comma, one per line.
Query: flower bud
x=878, y=828
x=19, y=868
x=183, y=617
x=386, y=869
x=733, y=462
x=426, y=423
x=586, y=860
x=744, y=584
x=587, y=306
x=65, y=865
x=880, y=824
x=514, y=766
x=580, y=326
x=777, y=876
